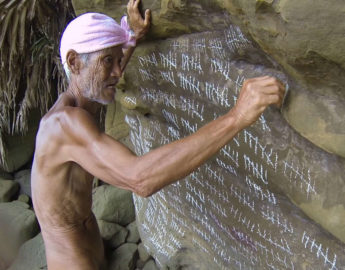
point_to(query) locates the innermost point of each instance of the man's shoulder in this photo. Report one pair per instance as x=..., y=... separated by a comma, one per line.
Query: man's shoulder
x=66, y=115
x=65, y=123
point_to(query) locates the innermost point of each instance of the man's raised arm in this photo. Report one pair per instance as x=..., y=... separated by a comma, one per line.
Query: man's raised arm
x=112, y=162
x=139, y=25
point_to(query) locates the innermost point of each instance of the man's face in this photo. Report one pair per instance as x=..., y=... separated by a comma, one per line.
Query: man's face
x=100, y=74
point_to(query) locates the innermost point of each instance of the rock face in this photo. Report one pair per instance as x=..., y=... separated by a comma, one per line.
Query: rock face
x=237, y=208
x=271, y=198
x=291, y=32
x=306, y=38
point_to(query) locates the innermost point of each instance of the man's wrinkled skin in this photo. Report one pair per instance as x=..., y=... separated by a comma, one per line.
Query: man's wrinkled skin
x=71, y=149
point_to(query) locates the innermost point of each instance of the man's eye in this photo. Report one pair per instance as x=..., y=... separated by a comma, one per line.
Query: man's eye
x=108, y=60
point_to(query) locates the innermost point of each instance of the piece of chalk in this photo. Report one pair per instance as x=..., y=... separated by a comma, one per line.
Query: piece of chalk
x=285, y=94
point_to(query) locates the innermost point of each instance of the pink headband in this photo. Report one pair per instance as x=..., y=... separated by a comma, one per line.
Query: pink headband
x=92, y=32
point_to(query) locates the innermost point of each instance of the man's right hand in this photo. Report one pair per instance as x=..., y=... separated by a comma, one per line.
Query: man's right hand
x=255, y=96
x=138, y=24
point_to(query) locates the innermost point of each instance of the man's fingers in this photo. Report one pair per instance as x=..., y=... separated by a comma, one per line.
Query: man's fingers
x=129, y=5
x=132, y=5
x=261, y=78
x=270, y=85
x=274, y=100
x=275, y=81
x=268, y=80
x=273, y=89
x=136, y=3
x=147, y=17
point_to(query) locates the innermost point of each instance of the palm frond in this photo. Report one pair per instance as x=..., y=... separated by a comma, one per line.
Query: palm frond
x=31, y=73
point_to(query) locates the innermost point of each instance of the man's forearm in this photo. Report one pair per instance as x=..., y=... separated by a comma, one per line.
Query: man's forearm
x=127, y=56
x=174, y=161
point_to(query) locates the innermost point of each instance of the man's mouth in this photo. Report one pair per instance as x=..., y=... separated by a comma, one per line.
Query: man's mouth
x=111, y=85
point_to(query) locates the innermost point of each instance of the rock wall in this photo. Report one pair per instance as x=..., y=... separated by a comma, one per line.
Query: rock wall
x=273, y=198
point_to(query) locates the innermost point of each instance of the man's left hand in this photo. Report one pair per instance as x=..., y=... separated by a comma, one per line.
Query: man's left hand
x=138, y=24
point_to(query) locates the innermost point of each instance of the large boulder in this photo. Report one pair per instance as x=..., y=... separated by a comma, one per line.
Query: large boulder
x=305, y=52
x=297, y=35
x=247, y=205
x=18, y=224
x=271, y=198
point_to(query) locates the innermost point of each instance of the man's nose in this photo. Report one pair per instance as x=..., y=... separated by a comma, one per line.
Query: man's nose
x=117, y=71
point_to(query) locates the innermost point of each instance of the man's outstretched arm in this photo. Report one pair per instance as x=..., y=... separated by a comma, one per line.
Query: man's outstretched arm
x=138, y=24
x=115, y=164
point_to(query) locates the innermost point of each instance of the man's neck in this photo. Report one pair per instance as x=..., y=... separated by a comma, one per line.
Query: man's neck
x=83, y=102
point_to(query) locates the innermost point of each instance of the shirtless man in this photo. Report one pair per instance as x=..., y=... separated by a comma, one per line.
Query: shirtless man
x=71, y=149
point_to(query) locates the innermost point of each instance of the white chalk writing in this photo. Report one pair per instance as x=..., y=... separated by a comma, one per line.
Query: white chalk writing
x=169, y=60
x=217, y=94
x=319, y=251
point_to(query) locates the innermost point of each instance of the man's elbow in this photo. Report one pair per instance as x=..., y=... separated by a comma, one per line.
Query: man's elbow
x=143, y=188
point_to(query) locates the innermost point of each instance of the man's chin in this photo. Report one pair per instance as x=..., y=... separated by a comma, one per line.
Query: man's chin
x=105, y=101
x=106, y=97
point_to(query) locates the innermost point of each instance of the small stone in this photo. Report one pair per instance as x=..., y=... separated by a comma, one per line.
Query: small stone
x=18, y=224
x=113, y=205
x=140, y=264
x=8, y=188
x=124, y=257
x=23, y=178
x=24, y=198
x=31, y=255
x=150, y=265
x=133, y=235
x=143, y=254
x=6, y=176
x=113, y=234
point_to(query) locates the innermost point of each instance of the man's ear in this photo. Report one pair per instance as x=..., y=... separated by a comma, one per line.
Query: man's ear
x=73, y=61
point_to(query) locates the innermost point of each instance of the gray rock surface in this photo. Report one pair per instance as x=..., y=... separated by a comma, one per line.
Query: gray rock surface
x=24, y=198
x=5, y=175
x=133, y=233
x=143, y=254
x=23, y=178
x=113, y=234
x=150, y=265
x=124, y=257
x=305, y=53
x=253, y=196
x=8, y=188
x=20, y=148
x=18, y=224
x=113, y=205
x=31, y=256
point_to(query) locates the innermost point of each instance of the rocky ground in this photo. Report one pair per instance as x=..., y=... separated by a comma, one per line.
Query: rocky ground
x=21, y=244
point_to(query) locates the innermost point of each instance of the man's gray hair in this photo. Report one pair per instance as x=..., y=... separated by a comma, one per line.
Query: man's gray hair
x=84, y=57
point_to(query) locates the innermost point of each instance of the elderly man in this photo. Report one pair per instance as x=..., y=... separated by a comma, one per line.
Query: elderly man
x=71, y=149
